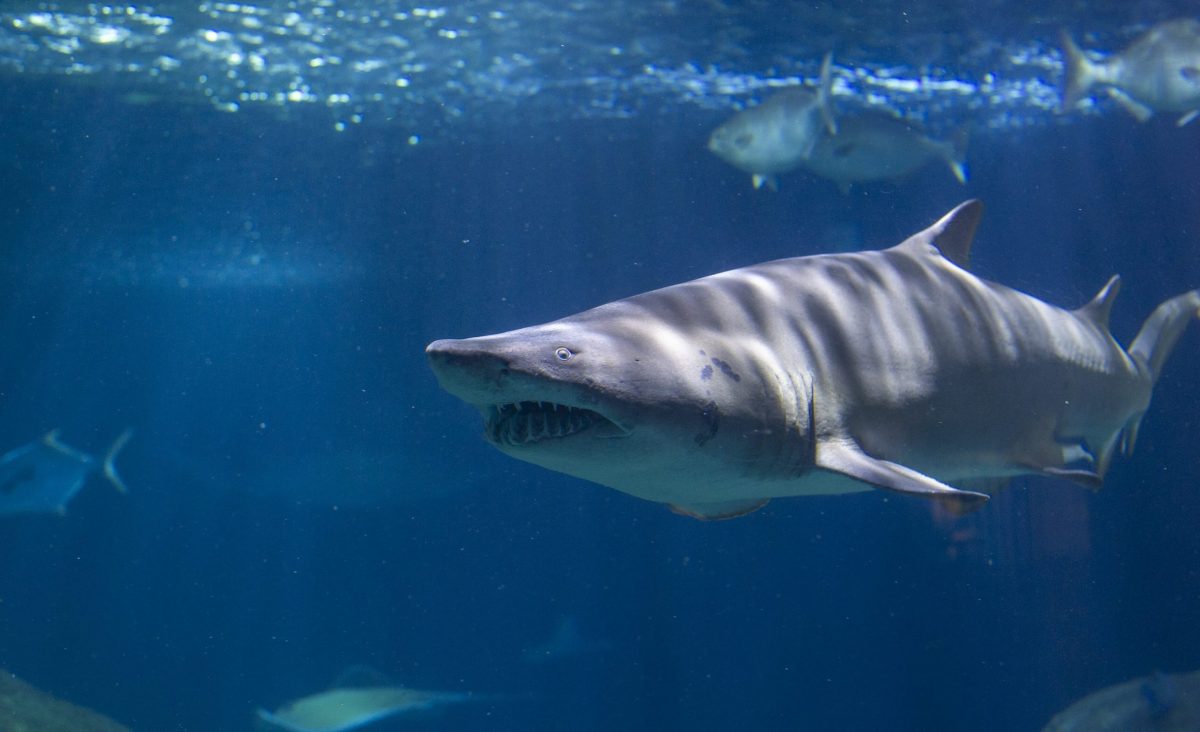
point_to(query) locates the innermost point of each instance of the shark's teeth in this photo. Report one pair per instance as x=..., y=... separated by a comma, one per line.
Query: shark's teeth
x=530, y=422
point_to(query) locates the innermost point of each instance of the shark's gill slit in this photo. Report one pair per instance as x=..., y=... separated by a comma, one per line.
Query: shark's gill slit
x=528, y=422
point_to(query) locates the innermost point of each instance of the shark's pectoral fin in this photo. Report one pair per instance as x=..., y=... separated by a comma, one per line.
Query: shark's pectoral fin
x=845, y=457
x=719, y=510
x=1187, y=117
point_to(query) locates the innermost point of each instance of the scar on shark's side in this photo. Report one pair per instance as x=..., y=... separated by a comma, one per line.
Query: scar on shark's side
x=895, y=369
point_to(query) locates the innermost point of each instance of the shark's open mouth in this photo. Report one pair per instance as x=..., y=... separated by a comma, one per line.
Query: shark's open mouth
x=526, y=423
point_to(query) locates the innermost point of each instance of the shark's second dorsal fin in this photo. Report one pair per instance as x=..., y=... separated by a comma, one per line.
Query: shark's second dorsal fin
x=952, y=235
x=1099, y=309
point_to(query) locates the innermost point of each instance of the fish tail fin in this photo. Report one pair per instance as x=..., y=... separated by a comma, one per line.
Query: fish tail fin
x=954, y=151
x=109, y=466
x=825, y=94
x=1080, y=73
x=759, y=180
x=1161, y=331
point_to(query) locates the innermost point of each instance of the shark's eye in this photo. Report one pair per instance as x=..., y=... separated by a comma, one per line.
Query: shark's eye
x=562, y=353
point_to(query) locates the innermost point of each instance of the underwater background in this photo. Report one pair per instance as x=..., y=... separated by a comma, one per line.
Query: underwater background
x=243, y=260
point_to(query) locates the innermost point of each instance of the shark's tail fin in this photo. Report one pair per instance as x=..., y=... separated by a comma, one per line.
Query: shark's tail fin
x=1080, y=73
x=825, y=94
x=110, y=469
x=1162, y=329
x=1154, y=342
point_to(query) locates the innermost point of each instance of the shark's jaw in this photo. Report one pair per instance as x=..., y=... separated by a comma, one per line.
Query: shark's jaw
x=529, y=406
x=536, y=423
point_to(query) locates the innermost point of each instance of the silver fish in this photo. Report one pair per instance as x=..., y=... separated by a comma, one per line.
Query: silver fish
x=1158, y=72
x=43, y=476
x=777, y=135
x=874, y=147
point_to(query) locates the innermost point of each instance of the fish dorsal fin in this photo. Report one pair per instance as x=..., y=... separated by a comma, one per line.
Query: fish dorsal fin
x=1100, y=308
x=952, y=235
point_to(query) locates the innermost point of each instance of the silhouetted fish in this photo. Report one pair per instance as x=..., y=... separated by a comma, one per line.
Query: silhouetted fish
x=43, y=476
x=339, y=710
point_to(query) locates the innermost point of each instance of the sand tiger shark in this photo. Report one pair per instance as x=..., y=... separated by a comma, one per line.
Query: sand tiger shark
x=895, y=369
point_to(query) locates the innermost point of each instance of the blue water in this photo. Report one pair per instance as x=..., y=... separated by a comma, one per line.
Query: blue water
x=252, y=291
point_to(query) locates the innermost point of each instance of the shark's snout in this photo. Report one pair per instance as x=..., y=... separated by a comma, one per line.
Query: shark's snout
x=457, y=355
x=467, y=370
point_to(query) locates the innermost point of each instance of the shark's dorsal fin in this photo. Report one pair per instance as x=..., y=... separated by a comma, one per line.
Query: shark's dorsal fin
x=1100, y=308
x=952, y=235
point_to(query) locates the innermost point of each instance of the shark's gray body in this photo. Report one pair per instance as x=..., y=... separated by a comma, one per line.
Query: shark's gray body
x=1158, y=72
x=827, y=374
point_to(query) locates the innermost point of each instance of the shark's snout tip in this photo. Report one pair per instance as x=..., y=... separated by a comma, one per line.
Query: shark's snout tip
x=453, y=350
x=464, y=358
x=438, y=347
